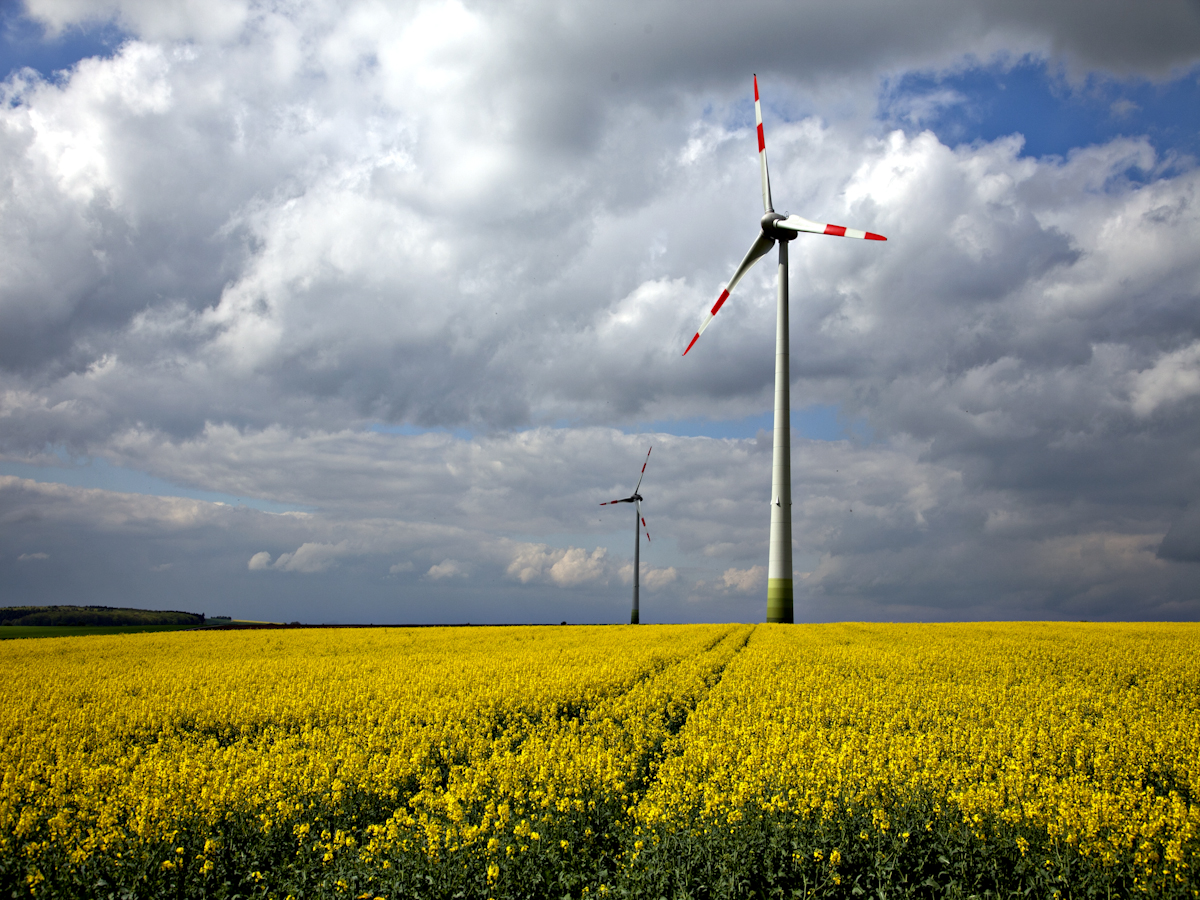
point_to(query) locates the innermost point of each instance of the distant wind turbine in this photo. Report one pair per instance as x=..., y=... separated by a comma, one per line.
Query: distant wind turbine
x=636, y=499
x=781, y=228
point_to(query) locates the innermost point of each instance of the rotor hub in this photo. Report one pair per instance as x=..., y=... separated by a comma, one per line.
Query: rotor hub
x=774, y=233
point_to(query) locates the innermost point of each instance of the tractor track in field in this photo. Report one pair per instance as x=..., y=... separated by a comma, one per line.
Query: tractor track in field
x=675, y=718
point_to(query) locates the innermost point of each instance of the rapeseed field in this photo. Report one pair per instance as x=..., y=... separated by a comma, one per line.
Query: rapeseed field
x=1042, y=759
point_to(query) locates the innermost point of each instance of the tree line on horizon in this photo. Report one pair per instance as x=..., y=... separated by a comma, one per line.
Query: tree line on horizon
x=95, y=615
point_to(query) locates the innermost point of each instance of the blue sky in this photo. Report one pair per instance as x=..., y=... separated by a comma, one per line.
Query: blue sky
x=1053, y=112
x=25, y=42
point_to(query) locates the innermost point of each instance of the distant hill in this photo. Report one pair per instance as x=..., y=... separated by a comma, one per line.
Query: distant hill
x=95, y=615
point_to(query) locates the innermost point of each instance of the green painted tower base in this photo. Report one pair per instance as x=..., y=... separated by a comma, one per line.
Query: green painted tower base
x=779, y=600
x=633, y=618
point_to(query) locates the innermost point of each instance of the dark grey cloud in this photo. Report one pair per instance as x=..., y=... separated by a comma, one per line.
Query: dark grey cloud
x=1182, y=540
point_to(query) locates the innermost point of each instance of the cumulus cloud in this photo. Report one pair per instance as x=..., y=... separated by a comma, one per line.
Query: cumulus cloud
x=447, y=568
x=311, y=557
x=261, y=250
x=745, y=580
x=187, y=19
x=563, y=567
x=650, y=576
x=307, y=558
x=1173, y=377
x=27, y=557
x=659, y=578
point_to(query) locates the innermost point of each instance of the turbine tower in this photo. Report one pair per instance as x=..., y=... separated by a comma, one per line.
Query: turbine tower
x=778, y=228
x=636, y=499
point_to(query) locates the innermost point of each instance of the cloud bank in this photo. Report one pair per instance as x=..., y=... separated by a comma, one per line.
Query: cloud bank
x=424, y=274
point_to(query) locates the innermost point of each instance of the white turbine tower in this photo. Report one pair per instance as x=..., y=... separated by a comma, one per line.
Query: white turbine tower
x=781, y=228
x=636, y=499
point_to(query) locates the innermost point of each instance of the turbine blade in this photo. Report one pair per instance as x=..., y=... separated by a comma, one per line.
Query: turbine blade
x=762, y=151
x=761, y=245
x=799, y=223
x=643, y=521
x=643, y=475
x=611, y=502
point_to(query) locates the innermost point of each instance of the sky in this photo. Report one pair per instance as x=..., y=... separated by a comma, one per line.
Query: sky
x=357, y=311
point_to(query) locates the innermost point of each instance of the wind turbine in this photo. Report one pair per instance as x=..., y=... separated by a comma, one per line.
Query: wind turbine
x=636, y=499
x=778, y=228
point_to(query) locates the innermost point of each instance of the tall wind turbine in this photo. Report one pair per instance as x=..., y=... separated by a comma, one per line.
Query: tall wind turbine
x=778, y=228
x=636, y=499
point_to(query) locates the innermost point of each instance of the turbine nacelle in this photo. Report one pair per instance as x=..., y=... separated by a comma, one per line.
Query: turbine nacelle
x=771, y=228
x=636, y=498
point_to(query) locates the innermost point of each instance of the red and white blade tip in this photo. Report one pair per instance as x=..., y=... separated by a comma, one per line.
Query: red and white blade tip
x=799, y=223
x=762, y=150
x=643, y=475
x=842, y=231
x=762, y=139
x=712, y=312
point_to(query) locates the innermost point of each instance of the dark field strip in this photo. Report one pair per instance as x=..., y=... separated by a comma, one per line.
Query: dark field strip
x=929, y=854
x=10, y=632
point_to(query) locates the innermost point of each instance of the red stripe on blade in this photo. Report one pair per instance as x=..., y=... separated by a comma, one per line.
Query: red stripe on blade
x=720, y=301
x=836, y=230
x=872, y=236
x=689, y=346
x=756, y=88
x=762, y=141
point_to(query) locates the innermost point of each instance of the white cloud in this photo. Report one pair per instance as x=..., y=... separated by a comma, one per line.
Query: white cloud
x=400, y=568
x=563, y=567
x=745, y=581
x=311, y=557
x=659, y=578
x=577, y=566
x=1173, y=377
x=26, y=557
x=447, y=568
x=649, y=576
x=183, y=19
